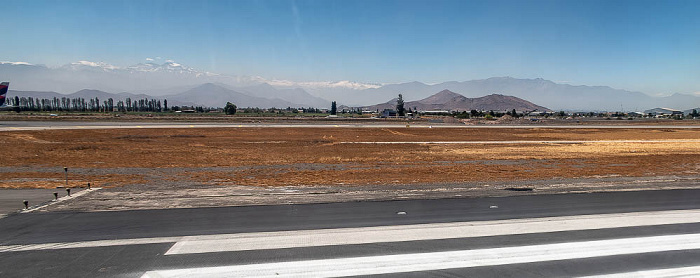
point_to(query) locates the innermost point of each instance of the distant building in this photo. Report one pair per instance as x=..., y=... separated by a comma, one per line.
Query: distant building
x=387, y=113
x=663, y=112
x=434, y=112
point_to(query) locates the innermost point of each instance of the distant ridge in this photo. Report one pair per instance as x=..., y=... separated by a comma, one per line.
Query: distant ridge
x=451, y=101
x=169, y=78
x=543, y=92
x=214, y=95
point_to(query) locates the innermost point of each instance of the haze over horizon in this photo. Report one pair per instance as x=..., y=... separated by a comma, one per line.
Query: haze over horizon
x=644, y=46
x=188, y=86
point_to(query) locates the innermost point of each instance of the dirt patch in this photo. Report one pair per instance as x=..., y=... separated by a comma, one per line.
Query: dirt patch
x=30, y=138
x=313, y=156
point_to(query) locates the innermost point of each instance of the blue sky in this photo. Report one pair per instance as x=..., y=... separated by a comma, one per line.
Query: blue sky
x=648, y=46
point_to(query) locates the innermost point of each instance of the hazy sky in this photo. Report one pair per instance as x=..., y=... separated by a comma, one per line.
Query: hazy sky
x=649, y=46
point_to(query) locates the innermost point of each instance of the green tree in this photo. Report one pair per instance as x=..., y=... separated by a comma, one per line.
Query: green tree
x=695, y=113
x=400, y=110
x=334, y=108
x=463, y=115
x=474, y=113
x=16, y=104
x=230, y=108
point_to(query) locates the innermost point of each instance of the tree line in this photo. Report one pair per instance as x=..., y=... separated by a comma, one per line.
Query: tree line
x=87, y=105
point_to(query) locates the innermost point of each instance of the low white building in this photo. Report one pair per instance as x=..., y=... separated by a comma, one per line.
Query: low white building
x=663, y=112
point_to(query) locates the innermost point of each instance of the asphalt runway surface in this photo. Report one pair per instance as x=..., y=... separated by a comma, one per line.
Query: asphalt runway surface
x=637, y=233
x=49, y=125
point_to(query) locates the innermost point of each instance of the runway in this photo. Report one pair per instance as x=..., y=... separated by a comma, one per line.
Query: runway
x=58, y=125
x=616, y=234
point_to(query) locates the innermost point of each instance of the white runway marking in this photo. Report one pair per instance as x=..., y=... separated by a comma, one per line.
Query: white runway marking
x=400, y=233
x=87, y=244
x=691, y=271
x=397, y=233
x=64, y=198
x=372, y=265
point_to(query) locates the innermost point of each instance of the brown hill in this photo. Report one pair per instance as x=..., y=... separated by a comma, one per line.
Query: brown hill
x=448, y=100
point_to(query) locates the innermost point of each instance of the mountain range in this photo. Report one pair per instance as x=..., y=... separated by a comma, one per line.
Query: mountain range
x=543, y=92
x=214, y=95
x=181, y=83
x=448, y=100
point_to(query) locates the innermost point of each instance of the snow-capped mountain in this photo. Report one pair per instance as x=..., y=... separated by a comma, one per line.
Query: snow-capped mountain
x=15, y=63
x=90, y=66
x=170, y=77
x=142, y=77
x=169, y=67
x=323, y=84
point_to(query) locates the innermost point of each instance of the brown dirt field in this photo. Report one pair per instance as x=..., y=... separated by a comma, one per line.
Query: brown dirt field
x=316, y=156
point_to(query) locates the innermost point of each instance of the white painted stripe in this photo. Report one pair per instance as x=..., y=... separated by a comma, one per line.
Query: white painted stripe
x=324, y=237
x=528, y=142
x=373, y=265
x=691, y=271
x=400, y=233
x=64, y=198
x=87, y=244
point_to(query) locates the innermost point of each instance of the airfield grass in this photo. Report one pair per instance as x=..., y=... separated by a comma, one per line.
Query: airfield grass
x=323, y=156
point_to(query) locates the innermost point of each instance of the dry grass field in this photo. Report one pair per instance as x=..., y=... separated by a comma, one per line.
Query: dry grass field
x=331, y=156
